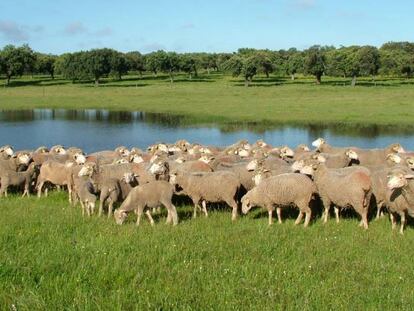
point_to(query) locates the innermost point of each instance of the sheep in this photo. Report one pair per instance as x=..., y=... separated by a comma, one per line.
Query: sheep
x=400, y=196
x=15, y=162
x=13, y=178
x=262, y=173
x=150, y=195
x=345, y=187
x=245, y=176
x=209, y=187
x=114, y=190
x=281, y=191
x=84, y=191
x=58, y=174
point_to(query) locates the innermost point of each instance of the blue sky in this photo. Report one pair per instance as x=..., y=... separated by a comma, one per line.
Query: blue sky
x=58, y=26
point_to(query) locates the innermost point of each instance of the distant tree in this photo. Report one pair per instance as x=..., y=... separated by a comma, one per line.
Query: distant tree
x=71, y=66
x=188, y=64
x=119, y=64
x=16, y=60
x=222, y=58
x=315, y=62
x=97, y=63
x=244, y=66
x=208, y=62
x=153, y=61
x=169, y=63
x=369, y=60
x=45, y=63
x=264, y=62
x=397, y=58
x=294, y=64
x=136, y=61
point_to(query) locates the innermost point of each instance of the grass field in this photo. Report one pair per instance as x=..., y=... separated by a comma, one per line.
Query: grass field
x=52, y=258
x=222, y=99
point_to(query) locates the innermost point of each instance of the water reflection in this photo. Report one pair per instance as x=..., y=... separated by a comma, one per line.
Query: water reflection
x=102, y=129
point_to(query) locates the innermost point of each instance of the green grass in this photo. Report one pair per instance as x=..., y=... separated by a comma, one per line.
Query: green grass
x=222, y=99
x=52, y=258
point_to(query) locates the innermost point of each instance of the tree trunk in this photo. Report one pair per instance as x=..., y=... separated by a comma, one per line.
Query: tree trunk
x=292, y=77
x=246, y=82
x=96, y=82
x=208, y=70
x=267, y=74
x=53, y=76
x=353, y=82
x=8, y=80
x=318, y=78
x=191, y=76
x=195, y=72
x=171, y=77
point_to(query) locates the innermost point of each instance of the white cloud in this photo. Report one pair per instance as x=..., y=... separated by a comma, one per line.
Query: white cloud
x=13, y=31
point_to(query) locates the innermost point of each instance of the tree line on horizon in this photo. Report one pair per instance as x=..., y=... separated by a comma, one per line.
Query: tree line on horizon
x=391, y=59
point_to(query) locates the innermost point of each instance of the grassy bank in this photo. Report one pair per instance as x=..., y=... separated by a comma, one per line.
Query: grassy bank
x=221, y=99
x=52, y=258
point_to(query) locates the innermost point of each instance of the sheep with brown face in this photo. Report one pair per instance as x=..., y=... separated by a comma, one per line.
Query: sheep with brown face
x=147, y=196
x=282, y=191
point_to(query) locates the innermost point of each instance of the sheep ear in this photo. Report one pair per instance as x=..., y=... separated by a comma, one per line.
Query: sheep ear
x=409, y=176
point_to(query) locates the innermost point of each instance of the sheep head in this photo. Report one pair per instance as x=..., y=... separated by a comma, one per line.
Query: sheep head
x=318, y=142
x=398, y=180
x=120, y=216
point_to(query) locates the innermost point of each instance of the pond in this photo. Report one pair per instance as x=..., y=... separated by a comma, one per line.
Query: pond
x=94, y=130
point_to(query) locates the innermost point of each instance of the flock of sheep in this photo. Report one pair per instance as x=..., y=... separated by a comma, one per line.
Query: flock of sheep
x=243, y=174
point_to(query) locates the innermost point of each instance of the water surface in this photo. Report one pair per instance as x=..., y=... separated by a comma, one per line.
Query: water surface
x=94, y=130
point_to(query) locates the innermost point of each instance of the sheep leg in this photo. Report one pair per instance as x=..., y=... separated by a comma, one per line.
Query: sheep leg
x=307, y=217
x=336, y=209
x=379, y=211
x=110, y=208
x=403, y=221
x=83, y=208
x=26, y=191
x=204, y=204
x=174, y=215
x=393, y=221
x=39, y=189
x=169, y=217
x=270, y=212
x=279, y=215
x=234, y=212
x=327, y=205
x=148, y=213
x=299, y=219
x=195, y=202
x=46, y=191
x=139, y=214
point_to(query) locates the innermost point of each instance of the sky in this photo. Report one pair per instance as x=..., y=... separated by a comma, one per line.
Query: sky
x=58, y=26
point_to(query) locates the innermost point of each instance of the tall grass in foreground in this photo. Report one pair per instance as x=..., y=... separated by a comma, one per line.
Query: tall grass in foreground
x=51, y=258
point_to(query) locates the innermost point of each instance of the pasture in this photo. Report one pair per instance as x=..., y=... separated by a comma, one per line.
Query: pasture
x=53, y=258
x=223, y=99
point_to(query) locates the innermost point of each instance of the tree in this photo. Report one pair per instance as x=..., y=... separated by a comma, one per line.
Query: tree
x=71, y=66
x=153, y=61
x=315, y=62
x=264, y=62
x=16, y=60
x=368, y=60
x=169, y=63
x=45, y=63
x=188, y=64
x=294, y=64
x=119, y=64
x=97, y=63
x=208, y=61
x=245, y=66
x=135, y=61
